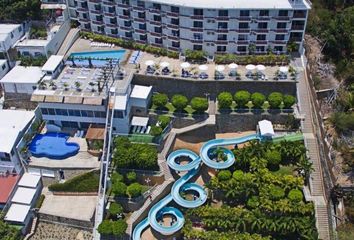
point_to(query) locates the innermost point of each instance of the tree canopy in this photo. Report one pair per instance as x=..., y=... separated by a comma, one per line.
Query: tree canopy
x=20, y=10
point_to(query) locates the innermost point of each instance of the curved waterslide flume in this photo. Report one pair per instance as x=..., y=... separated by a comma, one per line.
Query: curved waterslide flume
x=192, y=156
x=230, y=158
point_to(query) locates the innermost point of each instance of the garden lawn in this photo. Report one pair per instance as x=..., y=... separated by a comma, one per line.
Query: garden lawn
x=87, y=182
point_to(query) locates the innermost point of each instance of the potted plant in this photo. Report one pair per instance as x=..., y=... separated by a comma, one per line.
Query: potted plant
x=78, y=85
x=66, y=86
x=42, y=85
x=53, y=85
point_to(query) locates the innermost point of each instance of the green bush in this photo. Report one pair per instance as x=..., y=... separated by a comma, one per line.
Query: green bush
x=273, y=158
x=288, y=101
x=275, y=99
x=116, y=177
x=119, y=189
x=156, y=131
x=87, y=182
x=238, y=174
x=199, y=104
x=116, y=228
x=224, y=175
x=164, y=121
x=32, y=61
x=8, y=232
x=160, y=100
x=134, y=190
x=342, y=121
x=225, y=100
x=276, y=192
x=179, y=102
x=253, y=202
x=194, y=55
x=242, y=98
x=295, y=195
x=131, y=177
x=258, y=100
x=269, y=59
x=115, y=209
x=105, y=227
x=40, y=201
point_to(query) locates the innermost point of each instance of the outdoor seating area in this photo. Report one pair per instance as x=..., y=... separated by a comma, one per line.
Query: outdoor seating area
x=101, y=44
x=135, y=57
x=139, y=125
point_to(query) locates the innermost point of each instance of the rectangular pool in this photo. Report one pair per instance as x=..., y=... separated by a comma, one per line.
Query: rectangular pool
x=103, y=55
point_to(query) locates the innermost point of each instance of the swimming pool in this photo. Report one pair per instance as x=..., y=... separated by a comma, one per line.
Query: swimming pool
x=103, y=55
x=53, y=145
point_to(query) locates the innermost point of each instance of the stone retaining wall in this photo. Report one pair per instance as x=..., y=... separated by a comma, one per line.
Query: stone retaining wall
x=192, y=88
x=19, y=100
x=67, y=221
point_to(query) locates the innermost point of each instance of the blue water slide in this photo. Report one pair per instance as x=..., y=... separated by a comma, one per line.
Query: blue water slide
x=138, y=230
x=230, y=158
x=171, y=160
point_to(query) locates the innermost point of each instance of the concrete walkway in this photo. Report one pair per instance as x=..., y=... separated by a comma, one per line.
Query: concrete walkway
x=316, y=180
x=68, y=42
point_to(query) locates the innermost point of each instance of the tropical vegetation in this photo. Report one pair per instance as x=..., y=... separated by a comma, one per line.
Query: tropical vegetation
x=86, y=182
x=126, y=186
x=7, y=232
x=269, y=59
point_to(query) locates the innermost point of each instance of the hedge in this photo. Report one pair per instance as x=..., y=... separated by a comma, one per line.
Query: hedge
x=87, y=182
x=269, y=59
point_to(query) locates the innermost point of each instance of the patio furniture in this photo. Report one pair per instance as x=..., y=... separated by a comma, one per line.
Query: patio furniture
x=185, y=65
x=165, y=71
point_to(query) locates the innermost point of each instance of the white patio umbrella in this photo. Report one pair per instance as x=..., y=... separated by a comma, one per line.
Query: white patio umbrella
x=232, y=66
x=260, y=67
x=250, y=67
x=203, y=67
x=284, y=69
x=185, y=65
x=220, y=68
x=149, y=63
x=164, y=64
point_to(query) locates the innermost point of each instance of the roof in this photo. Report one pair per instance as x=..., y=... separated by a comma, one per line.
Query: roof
x=52, y=63
x=12, y=122
x=21, y=74
x=266, y=128
x=95, y=133
x=17, y=213
x=120, y=102
x=29, y=180
x=140, y=121
x=142, y=92
x=5, y=29
x=232, y=4
x=2, y=62
x=7, y=184
x=33, y=43
x=24, y=195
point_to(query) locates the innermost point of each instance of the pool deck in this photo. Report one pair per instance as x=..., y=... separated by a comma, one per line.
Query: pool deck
x=82, y=160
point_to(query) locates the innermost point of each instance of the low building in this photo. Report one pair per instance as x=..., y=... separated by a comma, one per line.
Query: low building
x=9, y=35
x=4, y=68
x=53, y=67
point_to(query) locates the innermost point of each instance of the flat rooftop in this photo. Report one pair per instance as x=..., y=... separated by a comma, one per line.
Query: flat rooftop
x=32, y=43
x=24, y=195
x=141, y=92
x=17, y=213
x=21, y=74
x=5, y=29
x=52, y=63
x=29, y=180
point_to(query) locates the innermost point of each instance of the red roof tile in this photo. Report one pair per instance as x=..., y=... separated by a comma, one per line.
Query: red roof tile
x=7, y=185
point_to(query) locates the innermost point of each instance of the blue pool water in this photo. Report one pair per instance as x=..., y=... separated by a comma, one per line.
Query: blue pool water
x=53, y=145
x=114, y=54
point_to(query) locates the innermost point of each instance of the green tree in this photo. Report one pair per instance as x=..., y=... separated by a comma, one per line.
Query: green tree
x=258, y=99
x=199, y=104
x=225, y=100
x=8, y=232
x=276, y=192
x=295, y=195
x=116, y=177
x=342, y=121
x=224, y=175
x=119, y=227
x=288, y=101
x=160, y=100
x=275, y=99
x=134, y=190
x=273, y=158
x=115, y=209
x=164, y=120
x=131, y=177
x=156, y=131
x=242, y=98
x=179, y=102
x=119, y=189
x=105, y=227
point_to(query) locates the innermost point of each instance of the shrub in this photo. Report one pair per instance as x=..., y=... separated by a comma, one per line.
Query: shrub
x=105, y=227
x=225, y=100
x=40, y=201
x=119, y=189
x=115, y=209
x=116, y=177
x=258, y=99
x=160, y=100
x=156, y=131
x=242, y=98
x=253, y=202
x=164, y=120
x=131, y=177
x=195, y=55
x=295, y=195
x=273, y=158
x=288, y=101
x=134, y=190
x=224, y=175
x=238, y=175
x=87, y=182
x=119, y=227
x=179, y=102
x=199, y=104
x=276, y=193
x=275, y=99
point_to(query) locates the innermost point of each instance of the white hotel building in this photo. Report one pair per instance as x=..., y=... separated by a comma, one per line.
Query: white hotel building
x=213, y=26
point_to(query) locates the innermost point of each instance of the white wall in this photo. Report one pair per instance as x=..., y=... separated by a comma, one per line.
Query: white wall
x=26, y=88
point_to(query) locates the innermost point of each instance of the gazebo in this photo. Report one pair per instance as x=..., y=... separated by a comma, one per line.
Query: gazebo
x=95, y=137
x=266, y=128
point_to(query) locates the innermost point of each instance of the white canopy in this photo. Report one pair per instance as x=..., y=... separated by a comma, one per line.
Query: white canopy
x=149, y=63
x=185, y=65
x=284, y=69
x=260, y=67
x=140, y=121
x=220, y=68
x=203, y=67
x=233, y=66
x=24, y=195
x=52, y=63
x=164, y=64
x=17, y=213
x=29, y=180
x=250, y=67
x=266, y=128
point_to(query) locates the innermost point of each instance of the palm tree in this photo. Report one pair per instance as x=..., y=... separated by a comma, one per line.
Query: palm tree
x=66, y=86
x=304, y=168
x=77, y=85
x=220, y=154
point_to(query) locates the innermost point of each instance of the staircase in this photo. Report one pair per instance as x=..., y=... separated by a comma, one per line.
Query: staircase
x=69, y=40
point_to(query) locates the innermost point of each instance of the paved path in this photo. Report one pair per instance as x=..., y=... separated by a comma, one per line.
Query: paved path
x=68, y=41
x=316, y=180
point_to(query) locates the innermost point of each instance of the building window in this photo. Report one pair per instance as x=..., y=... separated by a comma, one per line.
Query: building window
x=221, y=48
x=283, y=13
x=126, y=2
x=142, y=26
x=197, y=47
x=279, y=37
x=198, y=12
x=156, y=6
x=174, y=9
x=222, y=37
x=127, y=24
x=264, y=13
x=114, y=31
x=175, y=44
x=44, y=111
x=99, y=18
x=222, y=25
x=223, y=13
x=281, y=25
x=241, y=49
x=126, y=12
x=141, y=15
x=261, y=37
x=158, y=40
x=113, y=20
x=175, y=33
x=243, y=25
x=51, y=111
x=198, y=24
x=128, y=34
x=278, y=48
x=198, y=36
x=263, y=25
x=158, y=30
x=141, y=4
x=118, y=114
x=75, y=113
x=244, y=13
x=143, y=37
x=97, y=7
x=260, y=49
x=175, y=21
x=157, y=18
x=243, y=37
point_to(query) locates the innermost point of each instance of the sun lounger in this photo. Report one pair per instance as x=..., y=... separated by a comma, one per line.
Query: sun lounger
x=134, y=129
x=148, y=130
x=138, y=129
x=142, y=130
